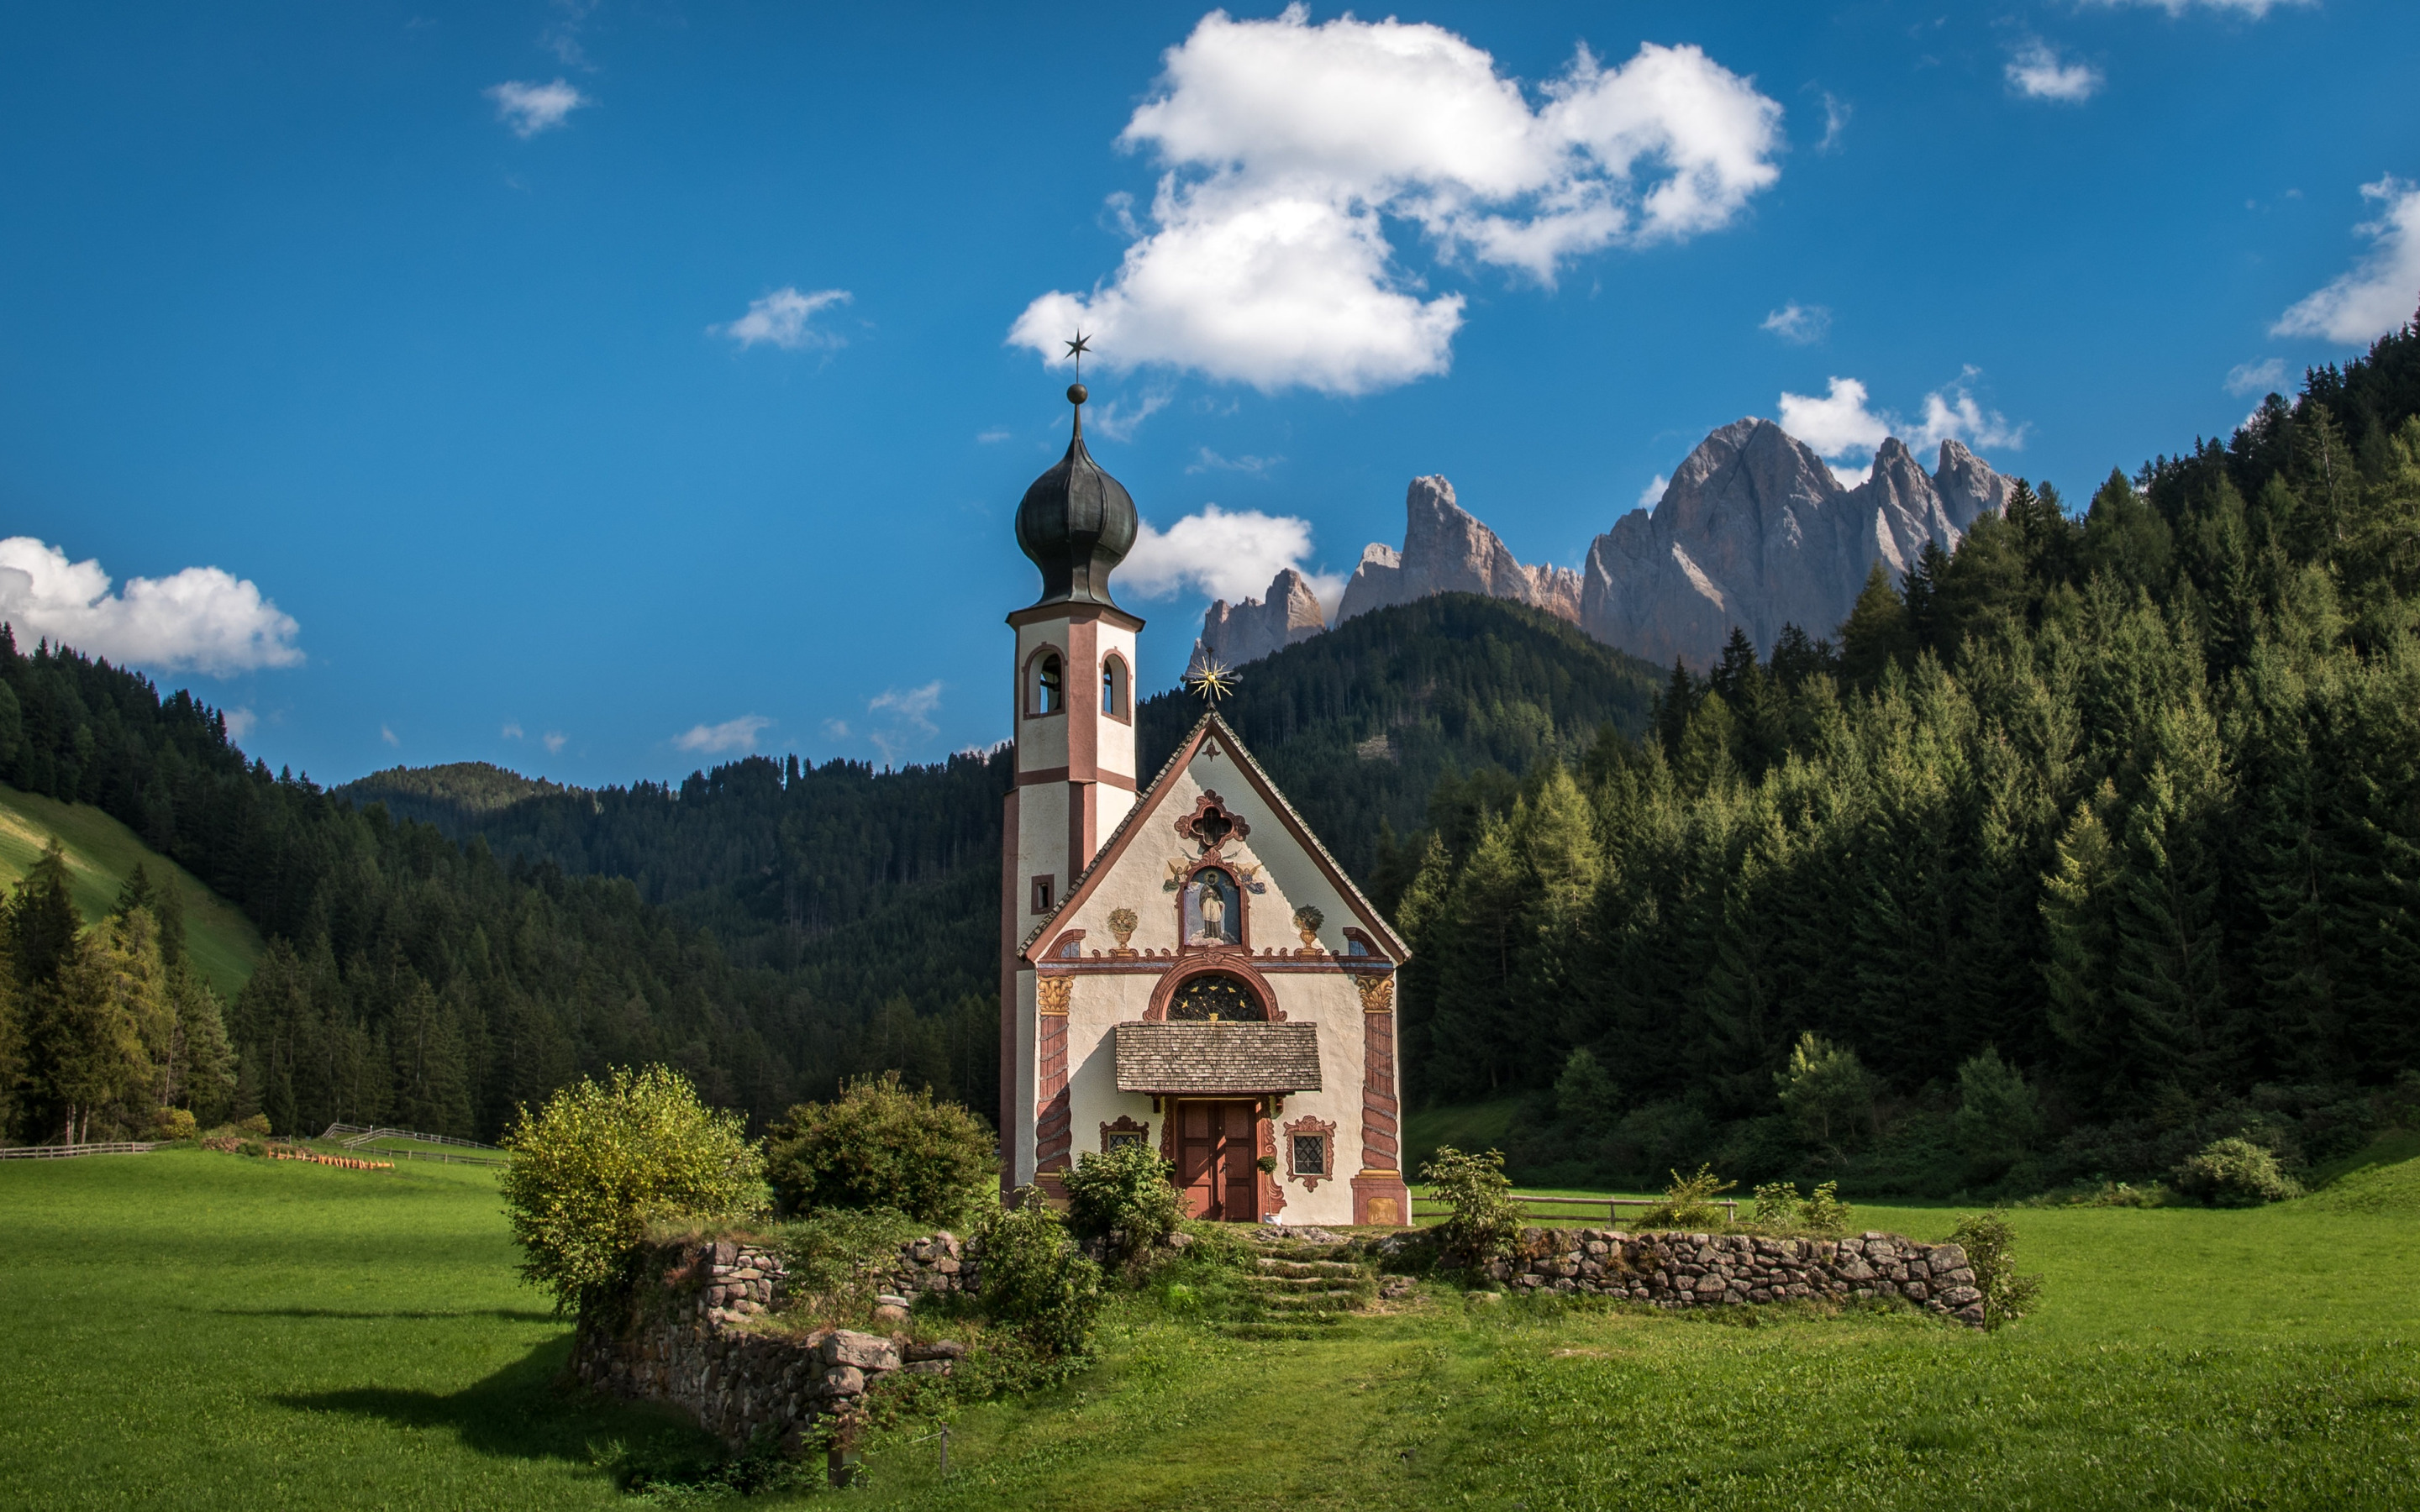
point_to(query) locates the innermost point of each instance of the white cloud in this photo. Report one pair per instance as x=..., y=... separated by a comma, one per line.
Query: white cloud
x=1118, y=420
x=995, y=434
x=200, y=619
x=531, y=108
x=1652, y=494
x=1225, y=554
x=240, y=722
x=1210, y=461
x=731, y=734
x=1842, y=423
x=554, y=740
x=1287, y=146
x=2255, y=377
x=1798, y=323
x=2380, y=292
x=2254, y=8
x=386, y=733
x=2037, y=73
x=1835, y=121
x=911, y=719
x=781, y=319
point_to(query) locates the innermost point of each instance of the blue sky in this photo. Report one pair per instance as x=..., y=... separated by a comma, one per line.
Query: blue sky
x=607, y=389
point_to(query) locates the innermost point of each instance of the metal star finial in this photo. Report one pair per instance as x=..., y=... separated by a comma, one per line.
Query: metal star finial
x=1077, y=349
x=1211, y=681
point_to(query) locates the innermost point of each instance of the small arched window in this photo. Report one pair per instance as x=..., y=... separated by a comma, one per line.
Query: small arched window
x=1050, y=683
x=1216, y=994
x=1114, y=686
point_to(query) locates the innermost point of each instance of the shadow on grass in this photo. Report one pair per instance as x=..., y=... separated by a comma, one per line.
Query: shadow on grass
x=509, y=1315
x=527, y=1410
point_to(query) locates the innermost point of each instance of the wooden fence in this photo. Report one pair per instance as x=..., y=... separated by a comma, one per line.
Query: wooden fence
x=353, y=1136
x=121, y=1146
x=1610, y=1207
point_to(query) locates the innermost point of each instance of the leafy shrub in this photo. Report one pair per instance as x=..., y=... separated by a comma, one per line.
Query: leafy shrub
x=1997, y=1117
x=1689, y=1202
x=256, y=1125
x=1585, y=1096
x=1034, y=1280
x=837, y=1255
x=1991, y=1247
x=1826, y=1090
x=257, y=1148
x=602, y=1159
x=1484, y=1216
x=175, y=1123
x=2235, y=1173
x=1125, y=1196
x=878, y=1144
x=1780, y=1210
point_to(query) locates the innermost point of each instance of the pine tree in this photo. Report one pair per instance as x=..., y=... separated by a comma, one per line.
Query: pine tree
x=2078, y=899
x=1876, y=633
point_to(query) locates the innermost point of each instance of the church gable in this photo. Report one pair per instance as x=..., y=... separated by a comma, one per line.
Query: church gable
x=1213, y=856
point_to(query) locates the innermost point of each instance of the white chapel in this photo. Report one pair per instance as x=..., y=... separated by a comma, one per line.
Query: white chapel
x=1182, y=962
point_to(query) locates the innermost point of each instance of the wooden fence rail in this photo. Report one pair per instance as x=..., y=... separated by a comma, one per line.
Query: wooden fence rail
x=354, y=1135
x=1612, y=1206
x=121, y=1146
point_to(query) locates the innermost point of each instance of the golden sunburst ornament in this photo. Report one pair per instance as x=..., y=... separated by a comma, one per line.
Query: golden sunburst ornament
x=1211, y=681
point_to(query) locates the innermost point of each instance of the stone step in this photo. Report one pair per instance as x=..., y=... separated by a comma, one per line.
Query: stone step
x=1305, y=1268
x=1311, y=1302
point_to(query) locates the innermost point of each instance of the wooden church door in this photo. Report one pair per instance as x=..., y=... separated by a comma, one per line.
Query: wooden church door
x=1217, y=1160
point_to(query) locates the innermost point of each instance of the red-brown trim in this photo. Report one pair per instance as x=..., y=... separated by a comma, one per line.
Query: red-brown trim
x=1009, y=1016
x=1138, y=819
x=1053, y=1123
x=1188, y=827
x=1124, y=1125
x=1075, y=614
x=1125, y=715
x=1027, y=683
x=1265, y=1146
x=1379, y=1188
x=1326, y=1129
x=1229, y=960
x=1058, y=774
x=1380, y=1198
x=1082, y=670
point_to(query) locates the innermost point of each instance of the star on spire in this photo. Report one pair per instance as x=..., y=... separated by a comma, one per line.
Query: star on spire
x=1077, y=349
x=1211, y=681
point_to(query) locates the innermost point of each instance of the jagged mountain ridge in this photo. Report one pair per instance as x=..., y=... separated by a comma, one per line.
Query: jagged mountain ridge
x=1754, y=531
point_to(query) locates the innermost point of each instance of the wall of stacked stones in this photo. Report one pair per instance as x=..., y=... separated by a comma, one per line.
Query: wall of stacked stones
x=1677, y=1270
x=694, y=1333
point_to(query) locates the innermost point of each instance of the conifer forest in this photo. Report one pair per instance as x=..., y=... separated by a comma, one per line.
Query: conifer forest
x=2088, y=842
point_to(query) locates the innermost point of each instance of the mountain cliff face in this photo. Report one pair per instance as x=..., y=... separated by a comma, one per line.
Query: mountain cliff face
x=1754, y=531
x=1237, y=633
x=1448, y=552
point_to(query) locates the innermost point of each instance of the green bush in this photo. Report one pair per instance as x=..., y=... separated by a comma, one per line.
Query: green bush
x=602, y=1159
x=840, y=1255
x=175, y=1123
x=1998, y=1119
x=1826, y=1091
x=878, y=1144
x=2235, y=1173
x=1126, y=1196
x=257, y=1124
x=1991, y=1247
x=1484, y=1216
x=1033, y=1279
x=1781, y=1211
x=1689, y=1202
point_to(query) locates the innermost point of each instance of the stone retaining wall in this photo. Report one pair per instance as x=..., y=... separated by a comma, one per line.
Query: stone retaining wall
x=1676, y=1269
x=694, y=1334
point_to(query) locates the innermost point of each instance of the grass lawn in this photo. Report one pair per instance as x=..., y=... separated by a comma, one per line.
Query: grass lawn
x=101, y=854
x=191, y=1330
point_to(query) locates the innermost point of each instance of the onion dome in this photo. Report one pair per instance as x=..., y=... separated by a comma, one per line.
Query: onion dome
x=1077, y=522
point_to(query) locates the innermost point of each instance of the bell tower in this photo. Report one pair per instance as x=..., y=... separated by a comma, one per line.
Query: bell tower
x=1074, y=722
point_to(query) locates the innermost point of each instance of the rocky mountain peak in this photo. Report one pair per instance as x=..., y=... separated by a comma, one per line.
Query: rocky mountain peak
x=1238, y=633
x=1446, y=551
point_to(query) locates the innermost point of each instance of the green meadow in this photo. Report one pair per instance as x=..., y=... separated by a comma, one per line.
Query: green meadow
x=101, y=854
x=185, y=1329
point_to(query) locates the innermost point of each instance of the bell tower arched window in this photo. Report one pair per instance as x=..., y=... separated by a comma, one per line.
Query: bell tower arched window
x=1113, y=687
x=1048, y=693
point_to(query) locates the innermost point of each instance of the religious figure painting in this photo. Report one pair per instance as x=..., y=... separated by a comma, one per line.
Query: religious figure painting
x=1211, y=915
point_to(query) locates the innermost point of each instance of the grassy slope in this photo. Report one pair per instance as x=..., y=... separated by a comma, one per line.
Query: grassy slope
x=280, y=1335
x=101, y=853
x=1464, y=1126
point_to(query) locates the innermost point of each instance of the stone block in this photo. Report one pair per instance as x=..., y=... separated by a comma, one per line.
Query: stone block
x=1958, y=1296
x=1971, y=1315
x=867, y=1351
x=842, y=1381
x=1949, y=1256
x=929, y=1367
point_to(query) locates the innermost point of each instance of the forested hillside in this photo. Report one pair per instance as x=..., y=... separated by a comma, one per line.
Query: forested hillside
x=2098, y=839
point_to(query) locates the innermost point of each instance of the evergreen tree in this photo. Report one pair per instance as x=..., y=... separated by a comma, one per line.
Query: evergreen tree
x=1876, y=633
